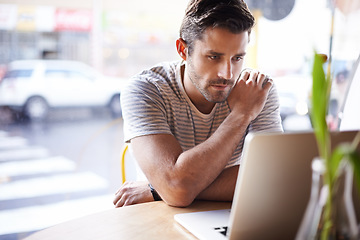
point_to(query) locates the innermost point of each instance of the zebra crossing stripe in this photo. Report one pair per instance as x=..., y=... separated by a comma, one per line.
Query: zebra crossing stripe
x=12, y=142
x=23, y=153
x=17, y=159
x=3, y=134
x=57, y=184
x=42, y=216
x=36, y=166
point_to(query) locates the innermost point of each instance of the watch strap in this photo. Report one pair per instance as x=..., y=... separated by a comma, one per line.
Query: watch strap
x=154, y=193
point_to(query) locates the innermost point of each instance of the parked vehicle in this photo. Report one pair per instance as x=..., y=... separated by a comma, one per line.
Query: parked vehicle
x=35, y=86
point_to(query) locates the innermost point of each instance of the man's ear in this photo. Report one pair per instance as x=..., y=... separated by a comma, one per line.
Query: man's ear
x=181, y=48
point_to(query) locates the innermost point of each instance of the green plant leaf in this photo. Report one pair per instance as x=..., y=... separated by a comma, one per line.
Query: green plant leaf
x=320, y=97
x=342, y=151
x=354, y=159
x=336, y=157
x=345, y=151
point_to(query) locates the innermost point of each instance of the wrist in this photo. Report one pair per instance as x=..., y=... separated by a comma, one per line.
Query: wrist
x=239, y=119
x=154, y=193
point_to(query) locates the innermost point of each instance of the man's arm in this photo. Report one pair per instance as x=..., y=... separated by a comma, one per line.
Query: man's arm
x=180, y=176
x=223, y=188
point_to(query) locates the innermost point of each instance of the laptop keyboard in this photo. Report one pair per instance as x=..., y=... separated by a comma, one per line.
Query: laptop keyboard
x=221, y=230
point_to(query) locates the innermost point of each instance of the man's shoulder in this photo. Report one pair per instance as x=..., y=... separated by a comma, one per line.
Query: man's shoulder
x=164, y=71
x=160, y=76
x=155, y=80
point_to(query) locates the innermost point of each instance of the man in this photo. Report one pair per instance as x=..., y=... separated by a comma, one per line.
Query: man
x=187, y=120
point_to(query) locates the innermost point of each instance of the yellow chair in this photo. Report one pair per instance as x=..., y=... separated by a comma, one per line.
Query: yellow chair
x=123, y=155
x=130, y=170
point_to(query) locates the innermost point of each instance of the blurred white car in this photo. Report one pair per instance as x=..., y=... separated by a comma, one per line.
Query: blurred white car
x=35, y=86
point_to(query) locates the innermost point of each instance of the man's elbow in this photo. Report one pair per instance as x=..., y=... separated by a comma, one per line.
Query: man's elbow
x=178, y=197
x=178, y=202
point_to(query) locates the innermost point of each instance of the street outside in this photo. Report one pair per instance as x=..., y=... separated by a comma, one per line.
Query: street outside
x=62, y=168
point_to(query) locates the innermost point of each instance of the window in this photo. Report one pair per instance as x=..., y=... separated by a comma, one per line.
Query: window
x=60, y=160
x=56, y=74
x=19, y=73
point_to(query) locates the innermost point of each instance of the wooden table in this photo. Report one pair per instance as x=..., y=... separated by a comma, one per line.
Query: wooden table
x=154, y=220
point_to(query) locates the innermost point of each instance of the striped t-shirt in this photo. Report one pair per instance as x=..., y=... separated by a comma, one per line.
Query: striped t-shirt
x=155, y=102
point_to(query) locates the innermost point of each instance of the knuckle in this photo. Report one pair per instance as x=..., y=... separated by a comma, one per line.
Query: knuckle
x=129, y=201
x=263, y=75
x=118, y=204
x=126, y=195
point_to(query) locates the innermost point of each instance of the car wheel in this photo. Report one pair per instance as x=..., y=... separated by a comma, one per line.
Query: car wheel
x=115, y=106
x=36, y=108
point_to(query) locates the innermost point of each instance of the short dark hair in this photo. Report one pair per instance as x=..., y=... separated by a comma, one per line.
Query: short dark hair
x=233, y=15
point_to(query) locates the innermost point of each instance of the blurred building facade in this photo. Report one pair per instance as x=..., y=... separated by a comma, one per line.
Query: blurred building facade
x=106, y=34
x=42, y=31
x=122, y=37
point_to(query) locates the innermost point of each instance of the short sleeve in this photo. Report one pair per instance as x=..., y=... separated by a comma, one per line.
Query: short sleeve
x=269, y=119
x=143, y=109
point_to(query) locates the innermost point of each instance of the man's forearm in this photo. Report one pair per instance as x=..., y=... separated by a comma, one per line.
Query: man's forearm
x=223, y=188
x=179, y=177
x=200, y=166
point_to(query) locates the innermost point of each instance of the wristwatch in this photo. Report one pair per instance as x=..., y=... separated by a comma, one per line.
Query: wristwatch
x=154, y=193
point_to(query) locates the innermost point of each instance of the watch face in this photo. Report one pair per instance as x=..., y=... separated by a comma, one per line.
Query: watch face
x=272, y=9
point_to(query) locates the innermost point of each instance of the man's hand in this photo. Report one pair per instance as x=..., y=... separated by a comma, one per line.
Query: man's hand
x=249, y=95
x=132, y=193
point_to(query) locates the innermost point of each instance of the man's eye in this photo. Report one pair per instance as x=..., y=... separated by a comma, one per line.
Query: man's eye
x=213, y=57
x=238, y=58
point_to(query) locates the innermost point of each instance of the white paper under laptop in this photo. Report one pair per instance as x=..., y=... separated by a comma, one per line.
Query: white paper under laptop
x=206, y=225
x=272, y=190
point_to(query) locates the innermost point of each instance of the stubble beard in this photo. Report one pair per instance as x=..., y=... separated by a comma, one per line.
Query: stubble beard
x=211, y=96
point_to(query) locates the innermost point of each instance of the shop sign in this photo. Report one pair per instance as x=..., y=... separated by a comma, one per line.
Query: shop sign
x=73, y=20
x=26, y=18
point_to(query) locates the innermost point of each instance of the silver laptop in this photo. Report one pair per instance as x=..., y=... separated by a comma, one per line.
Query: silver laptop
x=272, y=190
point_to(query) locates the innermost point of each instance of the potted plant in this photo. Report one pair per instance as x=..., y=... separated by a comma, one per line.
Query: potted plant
x=333, y=162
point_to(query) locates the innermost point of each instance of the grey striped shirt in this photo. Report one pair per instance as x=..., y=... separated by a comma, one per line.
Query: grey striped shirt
x=154, y=102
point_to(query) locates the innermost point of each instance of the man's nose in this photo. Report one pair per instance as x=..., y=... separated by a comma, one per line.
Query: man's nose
x=225, y=70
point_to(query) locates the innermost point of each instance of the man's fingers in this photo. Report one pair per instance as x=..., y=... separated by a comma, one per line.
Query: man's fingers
x=260, y=79
x=132, y=193
x=245, y=74
x=253, y=76
x=250, y=75
x=123, y=198
x=119, y=194
x=117, y=199
x=120, y=203
x=268, y=83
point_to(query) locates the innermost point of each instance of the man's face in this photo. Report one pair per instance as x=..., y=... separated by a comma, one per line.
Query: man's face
x=214, y=65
